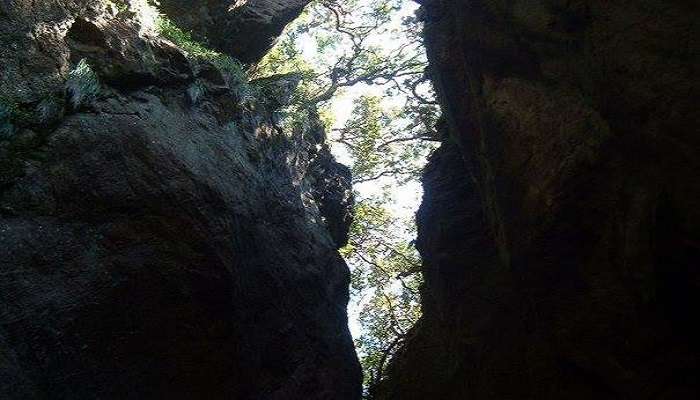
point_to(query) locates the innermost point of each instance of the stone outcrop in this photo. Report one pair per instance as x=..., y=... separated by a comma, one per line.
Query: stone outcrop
x=222, y=23
x=559, y=227
x=160, y=235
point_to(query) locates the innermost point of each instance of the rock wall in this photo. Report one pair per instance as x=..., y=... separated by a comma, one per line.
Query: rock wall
x=161, y=236
x=559, y=228
x=220, y=23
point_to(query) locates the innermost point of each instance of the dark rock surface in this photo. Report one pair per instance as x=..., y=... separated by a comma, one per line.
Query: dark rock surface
x=162, y=238
x=220, y=23
x=560, y=223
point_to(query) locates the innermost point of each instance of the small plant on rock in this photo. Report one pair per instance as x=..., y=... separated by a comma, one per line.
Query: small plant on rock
x=119, y=6
x=195, y=92
x=82, y=85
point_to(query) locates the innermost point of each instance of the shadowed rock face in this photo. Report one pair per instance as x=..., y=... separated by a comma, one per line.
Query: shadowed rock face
x=164, y=239
x=559, y=227
x=223, y=23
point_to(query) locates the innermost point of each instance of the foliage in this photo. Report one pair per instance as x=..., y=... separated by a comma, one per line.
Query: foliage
x=338, y=47
x=243, y=90
x=385, y=142
x=119, y=6
x=346, y=52
x=196, y=91
x=82, y=85
x=385, y=272
x=198, y=51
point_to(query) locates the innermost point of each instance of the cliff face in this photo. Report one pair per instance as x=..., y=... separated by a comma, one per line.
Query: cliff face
x=160, y=235
x=559, y=227
x=223, y=23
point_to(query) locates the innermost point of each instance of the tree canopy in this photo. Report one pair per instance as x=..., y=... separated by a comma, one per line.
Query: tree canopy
x=369, y=53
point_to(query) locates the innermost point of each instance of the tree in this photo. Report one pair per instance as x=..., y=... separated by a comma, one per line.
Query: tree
x=384, y=276
x=386, y=143
x=338, y=47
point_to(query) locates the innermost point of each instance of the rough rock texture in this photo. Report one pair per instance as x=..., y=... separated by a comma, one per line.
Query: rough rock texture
x=163, y=237
x=220, y=22
x=560, y=228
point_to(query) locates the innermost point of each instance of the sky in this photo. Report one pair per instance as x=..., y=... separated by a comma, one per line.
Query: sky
x=405, y=198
